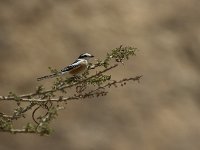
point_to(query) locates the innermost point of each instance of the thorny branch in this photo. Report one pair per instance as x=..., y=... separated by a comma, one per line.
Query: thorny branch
x=23, y=98
x=52, y=99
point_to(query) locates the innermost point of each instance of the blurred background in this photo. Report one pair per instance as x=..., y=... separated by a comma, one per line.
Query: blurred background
x=161, y=112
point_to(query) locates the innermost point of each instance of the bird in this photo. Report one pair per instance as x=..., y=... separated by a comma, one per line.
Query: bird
x=78, y=67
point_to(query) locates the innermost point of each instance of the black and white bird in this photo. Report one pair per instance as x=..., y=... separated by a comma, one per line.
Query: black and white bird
x=76, y=68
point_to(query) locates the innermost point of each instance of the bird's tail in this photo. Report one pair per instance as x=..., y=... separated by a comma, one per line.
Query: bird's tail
x=47, y=76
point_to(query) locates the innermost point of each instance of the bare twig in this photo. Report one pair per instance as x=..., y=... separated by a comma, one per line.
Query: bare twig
x=14, y=131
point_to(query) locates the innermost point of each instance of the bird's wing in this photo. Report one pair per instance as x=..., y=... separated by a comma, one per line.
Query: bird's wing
x=75, y=64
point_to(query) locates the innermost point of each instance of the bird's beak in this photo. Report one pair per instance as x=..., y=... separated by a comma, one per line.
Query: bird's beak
x=91, y=56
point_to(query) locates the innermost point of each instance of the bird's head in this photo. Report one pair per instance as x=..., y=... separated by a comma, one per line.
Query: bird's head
x=85, y=56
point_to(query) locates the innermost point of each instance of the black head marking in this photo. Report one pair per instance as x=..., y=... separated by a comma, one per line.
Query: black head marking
x=85, y=55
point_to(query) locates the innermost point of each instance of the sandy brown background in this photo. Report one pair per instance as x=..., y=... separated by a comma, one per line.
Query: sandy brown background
x=160, y=113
